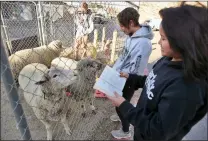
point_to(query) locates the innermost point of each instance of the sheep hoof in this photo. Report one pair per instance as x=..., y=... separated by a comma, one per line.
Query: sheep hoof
x=83, y=115
x=93, y=112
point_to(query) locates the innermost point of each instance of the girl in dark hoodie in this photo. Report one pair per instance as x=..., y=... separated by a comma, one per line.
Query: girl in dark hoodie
x=174, y=96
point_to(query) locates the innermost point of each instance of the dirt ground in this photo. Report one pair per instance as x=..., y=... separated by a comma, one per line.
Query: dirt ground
x=92, y=127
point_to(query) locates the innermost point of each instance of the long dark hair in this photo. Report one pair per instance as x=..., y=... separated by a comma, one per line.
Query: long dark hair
x=196, y=3
x=186, y=28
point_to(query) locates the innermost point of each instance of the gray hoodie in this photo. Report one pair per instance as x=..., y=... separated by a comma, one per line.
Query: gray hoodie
x=135, y=55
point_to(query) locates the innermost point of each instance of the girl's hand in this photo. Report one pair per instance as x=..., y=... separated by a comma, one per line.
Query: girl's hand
x=117, y=100
x=125, y=75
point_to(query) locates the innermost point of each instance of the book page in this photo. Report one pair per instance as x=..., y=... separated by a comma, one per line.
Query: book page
x=110, y=82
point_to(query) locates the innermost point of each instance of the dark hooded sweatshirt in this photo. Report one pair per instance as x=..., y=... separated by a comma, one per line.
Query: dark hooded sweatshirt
x=168, y=106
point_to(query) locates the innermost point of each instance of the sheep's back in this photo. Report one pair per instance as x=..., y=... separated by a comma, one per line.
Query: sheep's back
x=64, y=63
x=31, y=74
x=23, y=58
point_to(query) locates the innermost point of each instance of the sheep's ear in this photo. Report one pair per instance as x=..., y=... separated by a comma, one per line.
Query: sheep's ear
x=40, y=82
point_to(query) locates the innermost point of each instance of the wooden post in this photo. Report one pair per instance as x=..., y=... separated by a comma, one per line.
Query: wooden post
x=95, y=38
x=103, y=39
x=115, y=33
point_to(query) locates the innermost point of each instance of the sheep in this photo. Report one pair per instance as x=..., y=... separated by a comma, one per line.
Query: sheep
x=80, y=52
x=87, y=70
x=88, y=52
x=82, y=90
x=104, y=56
x=44, y=91
x=64, y=63
x=43, y=54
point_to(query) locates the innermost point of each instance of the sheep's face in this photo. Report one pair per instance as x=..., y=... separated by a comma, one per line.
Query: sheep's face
x=58, y=78
x=61, y=78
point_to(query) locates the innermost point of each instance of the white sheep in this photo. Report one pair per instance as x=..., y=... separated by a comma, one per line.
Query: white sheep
x=88, y=52
x=64, y=63
x=44, y=91
x=43, y=54
x=81, y=52
x=104, y=56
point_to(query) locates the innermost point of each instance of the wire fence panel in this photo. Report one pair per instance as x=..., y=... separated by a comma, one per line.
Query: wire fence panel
x=20, y=23
x=48, y=77
x=58, y=103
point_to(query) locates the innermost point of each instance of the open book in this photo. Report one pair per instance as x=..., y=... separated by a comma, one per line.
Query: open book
x=110, y=82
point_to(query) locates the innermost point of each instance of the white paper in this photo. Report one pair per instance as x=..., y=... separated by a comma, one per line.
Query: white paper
x=110, y=82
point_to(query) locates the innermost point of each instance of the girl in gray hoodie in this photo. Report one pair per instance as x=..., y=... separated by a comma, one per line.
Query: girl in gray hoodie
x=134, y=58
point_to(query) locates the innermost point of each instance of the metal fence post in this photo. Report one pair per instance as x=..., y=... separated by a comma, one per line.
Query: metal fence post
x=13, y=96
x=38, y=22
x=42, y=22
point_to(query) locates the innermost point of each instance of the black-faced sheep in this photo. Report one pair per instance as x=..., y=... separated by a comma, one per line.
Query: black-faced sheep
x=44, y=91
x=43, y=54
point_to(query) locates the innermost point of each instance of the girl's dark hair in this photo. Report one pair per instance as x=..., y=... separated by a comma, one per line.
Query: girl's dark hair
x=186, y=28
x=197, y=3
x=128, y=14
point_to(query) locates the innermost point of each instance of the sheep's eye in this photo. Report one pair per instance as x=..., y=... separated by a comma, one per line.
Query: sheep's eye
x=55, y=75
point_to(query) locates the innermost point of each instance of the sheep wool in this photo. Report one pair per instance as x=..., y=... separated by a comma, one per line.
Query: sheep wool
x=43, y=54
x=83, y=90
x=64, y=63
x=44, y=91
x=91, y=52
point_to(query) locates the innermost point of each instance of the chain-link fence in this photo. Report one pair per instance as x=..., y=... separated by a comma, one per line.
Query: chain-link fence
x=39, y=23
x=40, y=32
x=20, y=29
x=59, y=102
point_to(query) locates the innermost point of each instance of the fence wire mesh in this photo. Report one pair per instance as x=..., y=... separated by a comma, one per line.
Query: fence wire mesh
x=45, y=32
x=60, y=101
x=19, y=21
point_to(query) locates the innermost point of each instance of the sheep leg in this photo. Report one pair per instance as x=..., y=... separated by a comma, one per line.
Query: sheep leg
x=48, y=129
x=66, y=125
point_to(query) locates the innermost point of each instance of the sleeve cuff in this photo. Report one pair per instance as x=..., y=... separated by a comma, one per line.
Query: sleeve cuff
x=125, y=107
x=130, y=81
x=131, y=78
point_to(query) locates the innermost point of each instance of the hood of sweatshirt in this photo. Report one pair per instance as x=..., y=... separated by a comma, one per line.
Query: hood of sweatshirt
x=138, y=46
x=145, y=31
